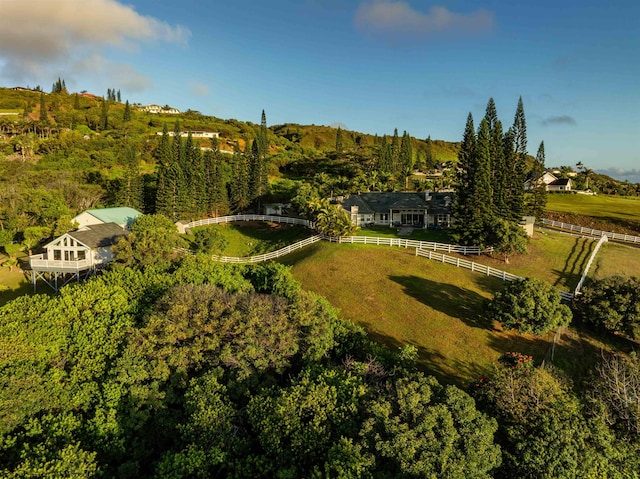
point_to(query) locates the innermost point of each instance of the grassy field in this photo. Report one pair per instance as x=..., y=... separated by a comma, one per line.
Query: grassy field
x=619, y=212
x=400, y=299
x=13, y=284
x=250, y=238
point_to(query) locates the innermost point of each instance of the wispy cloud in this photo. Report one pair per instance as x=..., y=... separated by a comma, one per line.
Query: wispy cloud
x=199, y=89
x=50, y=37
x=399, y=18
x=632, y=175
x=558, y=120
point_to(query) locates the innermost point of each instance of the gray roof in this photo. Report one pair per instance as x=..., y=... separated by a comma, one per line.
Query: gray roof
x=383, y=202
x=94, y=236
x=560, y=182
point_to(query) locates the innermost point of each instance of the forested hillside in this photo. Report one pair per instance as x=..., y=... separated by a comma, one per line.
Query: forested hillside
x=170, y=365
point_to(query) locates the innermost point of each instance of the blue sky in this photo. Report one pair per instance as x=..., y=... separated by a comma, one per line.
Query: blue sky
x=367, y=65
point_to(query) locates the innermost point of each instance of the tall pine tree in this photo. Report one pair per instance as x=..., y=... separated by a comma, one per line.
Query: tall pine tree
x=519, y=168
x=405, y=158
x=462, y=207
x=538, y=195
x=130, y=193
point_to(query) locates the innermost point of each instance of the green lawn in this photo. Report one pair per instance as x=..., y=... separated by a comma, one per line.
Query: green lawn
x=400, y=299
x=438, y=236
x=622, y=212
x=249, y=238
x=13, y=284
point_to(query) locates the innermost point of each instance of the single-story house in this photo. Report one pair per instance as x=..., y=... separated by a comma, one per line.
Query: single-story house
x=561, y=184
x=421, y=210
x=122, y=216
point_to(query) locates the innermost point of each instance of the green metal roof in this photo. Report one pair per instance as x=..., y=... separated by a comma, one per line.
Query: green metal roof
x=121, y=216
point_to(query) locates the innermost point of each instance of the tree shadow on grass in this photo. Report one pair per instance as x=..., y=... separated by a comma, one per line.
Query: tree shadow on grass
x=460, y=303
x=575, y=263
x=431, y=362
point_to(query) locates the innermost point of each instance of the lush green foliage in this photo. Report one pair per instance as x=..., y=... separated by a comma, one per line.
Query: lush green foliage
x=530, y=306
x=613, y=304
x=545, y=431
x=209, y=370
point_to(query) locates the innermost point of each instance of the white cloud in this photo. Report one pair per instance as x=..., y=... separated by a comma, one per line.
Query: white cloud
x=118, y=74
x=632, y=175
x=48, y=35
x=386, y=17
x=199, y=89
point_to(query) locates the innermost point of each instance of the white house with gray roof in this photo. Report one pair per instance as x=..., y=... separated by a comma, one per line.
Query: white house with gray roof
x=78, y=254
x=420, y=210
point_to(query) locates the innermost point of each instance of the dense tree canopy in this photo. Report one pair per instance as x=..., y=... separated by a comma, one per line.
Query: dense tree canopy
x=612, y=303
x=530, y=306
x=207, y=370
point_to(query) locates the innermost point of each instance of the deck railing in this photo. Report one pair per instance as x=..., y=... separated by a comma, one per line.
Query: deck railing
x=39, y=261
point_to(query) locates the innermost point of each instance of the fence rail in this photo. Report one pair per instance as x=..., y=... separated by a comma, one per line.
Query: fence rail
x=478, y=268
x=589, y=231
x=231, y=218
x=268, y=256
x=407, y=243
x=40, y=261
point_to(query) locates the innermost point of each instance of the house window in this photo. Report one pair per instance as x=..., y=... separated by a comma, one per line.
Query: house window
x=56, y=255
x=384, y=216
x=82, y=255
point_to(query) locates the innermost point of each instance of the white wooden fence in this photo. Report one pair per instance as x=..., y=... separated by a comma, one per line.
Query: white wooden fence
x=589, y=231
x=231, y=218
x=603, y=239
x=268, y=256
x=407, y=243
x=425, y=249
x=478, y=268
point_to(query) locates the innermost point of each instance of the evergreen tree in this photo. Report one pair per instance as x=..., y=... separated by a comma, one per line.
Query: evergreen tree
x=429, y=160
x=339, y=140
x=538, y=196
x=481, y=181
x=76, y=102
x=385, y=161
x=462, y=205
x=217, y=201
x=126, y=116
x=163, y=187
x=499, y=173
x=108, y=93
x=104, y=115
x=405, y=158
x=131, y=188
x=188, y=197
x=74, y=122
x=239, y=187
x=119, y=97
x=395, y=152
x=519, y=167
x=43, y=110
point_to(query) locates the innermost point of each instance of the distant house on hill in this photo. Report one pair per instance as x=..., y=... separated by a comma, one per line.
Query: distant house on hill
x=546, y=178
x=157, y=109
x=194, y=134
x=560, y=185
x=421, y=210
x=122, y=216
